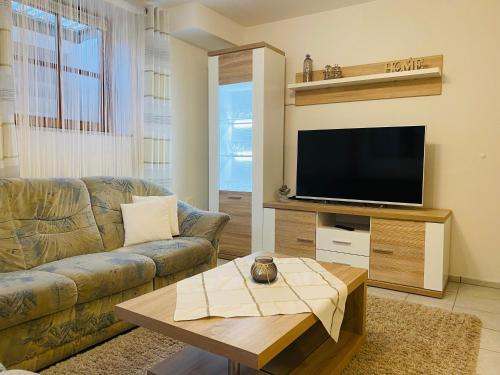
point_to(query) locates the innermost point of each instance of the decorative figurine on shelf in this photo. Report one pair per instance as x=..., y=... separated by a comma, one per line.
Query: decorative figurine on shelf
x=337, y=71
x=283, y=192
x=332, y=72
x=328, y=72
x=307, y=75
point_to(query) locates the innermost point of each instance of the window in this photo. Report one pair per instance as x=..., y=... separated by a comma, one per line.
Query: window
x=63, y=63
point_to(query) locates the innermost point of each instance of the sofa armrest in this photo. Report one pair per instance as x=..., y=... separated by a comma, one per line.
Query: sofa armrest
x=194, y=222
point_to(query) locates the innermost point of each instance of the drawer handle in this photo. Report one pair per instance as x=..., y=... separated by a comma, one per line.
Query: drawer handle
x=304, y=240
x=343, y=242
x=234, y=197
x=383, y=251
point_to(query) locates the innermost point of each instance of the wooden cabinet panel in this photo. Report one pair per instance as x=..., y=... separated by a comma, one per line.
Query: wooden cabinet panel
x=397, y=252
x=235, y=67
x=236, y=238
x=296, y=233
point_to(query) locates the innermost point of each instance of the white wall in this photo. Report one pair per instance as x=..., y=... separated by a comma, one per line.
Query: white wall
x=463, y=123
x=203, y=27
x=189, y=85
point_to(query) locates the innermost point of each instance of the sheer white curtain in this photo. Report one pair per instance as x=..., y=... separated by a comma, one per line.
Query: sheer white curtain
x=157, y=113
x=79, y=75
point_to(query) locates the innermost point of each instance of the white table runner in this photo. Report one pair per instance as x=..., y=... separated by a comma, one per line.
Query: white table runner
x=302, y=285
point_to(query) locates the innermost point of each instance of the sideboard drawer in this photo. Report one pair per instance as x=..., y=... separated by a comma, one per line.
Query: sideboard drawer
x=296, y=233
x=351, y=242
x=342, y=258
x=397, y=252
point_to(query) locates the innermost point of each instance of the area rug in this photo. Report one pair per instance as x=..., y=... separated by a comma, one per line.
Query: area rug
x=403, y=338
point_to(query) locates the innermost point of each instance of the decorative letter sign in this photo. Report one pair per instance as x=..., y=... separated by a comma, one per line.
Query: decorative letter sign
x=404, y=65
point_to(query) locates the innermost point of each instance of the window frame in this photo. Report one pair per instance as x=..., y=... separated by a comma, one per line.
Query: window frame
x=59, y=121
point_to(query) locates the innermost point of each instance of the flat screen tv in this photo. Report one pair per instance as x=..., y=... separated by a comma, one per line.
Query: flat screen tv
x=383, y=165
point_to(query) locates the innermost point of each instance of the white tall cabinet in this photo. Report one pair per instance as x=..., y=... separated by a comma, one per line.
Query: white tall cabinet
x=246, y=118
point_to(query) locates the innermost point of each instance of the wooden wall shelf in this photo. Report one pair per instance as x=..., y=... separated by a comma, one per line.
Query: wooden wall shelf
x=371, y=82
x=365, y=79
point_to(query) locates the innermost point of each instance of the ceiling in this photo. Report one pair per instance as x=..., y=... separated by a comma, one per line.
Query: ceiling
x=255, y=12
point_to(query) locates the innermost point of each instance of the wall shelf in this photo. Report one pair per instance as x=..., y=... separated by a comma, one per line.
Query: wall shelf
x=372, y=82
x=367, y=79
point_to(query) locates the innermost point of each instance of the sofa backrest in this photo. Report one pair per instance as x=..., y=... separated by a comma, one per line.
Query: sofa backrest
x=106, y=195
x=43, y=220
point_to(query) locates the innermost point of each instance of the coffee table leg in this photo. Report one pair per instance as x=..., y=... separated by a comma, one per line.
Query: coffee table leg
x=233, y=367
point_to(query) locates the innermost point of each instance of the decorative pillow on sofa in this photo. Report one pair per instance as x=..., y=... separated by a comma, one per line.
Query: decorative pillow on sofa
x=172, y=203
x=146, y=221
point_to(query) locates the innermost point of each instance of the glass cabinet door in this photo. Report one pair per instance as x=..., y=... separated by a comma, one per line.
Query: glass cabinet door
x=235, y=137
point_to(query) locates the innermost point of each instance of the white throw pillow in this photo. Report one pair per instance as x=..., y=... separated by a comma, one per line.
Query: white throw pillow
x=146, y=221
x=172, y=203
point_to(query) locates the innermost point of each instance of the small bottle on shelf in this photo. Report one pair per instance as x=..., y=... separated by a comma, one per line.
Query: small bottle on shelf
x=308, y=69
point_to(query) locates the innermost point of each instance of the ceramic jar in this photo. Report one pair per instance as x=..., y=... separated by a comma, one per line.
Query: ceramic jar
x=264, y=269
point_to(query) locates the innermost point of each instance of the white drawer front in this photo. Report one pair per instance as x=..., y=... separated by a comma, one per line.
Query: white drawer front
x=352, y=242
x=349, y=259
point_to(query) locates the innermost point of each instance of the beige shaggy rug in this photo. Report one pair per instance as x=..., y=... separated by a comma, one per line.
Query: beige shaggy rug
x=403, y=338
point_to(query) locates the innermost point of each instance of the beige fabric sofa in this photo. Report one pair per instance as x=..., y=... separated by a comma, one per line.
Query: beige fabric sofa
x=63, y=266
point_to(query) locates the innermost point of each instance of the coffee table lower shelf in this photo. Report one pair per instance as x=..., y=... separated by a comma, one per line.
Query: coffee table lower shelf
x=312, y=353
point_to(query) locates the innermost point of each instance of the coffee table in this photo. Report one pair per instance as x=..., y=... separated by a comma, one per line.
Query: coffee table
x=280, y=344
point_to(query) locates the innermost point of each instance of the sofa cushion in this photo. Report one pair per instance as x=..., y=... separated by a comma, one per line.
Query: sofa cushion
x=44, y=220
x=27, y=295
x=146, y=221
x=102, y=274
x=171, y=256
x=106, y=195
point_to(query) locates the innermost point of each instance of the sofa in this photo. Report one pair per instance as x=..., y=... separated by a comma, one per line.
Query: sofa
x=63, y=266
x=4, y=371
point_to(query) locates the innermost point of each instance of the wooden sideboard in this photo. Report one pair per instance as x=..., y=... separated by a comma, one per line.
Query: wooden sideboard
x=404, y=249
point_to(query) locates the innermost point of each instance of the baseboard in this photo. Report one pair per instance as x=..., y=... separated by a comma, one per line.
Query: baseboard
x=453, y=278
x=405, y=288
x=471, y=281
x=489, y=284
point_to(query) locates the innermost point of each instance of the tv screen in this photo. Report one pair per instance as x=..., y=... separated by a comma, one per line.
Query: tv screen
x=378, y=165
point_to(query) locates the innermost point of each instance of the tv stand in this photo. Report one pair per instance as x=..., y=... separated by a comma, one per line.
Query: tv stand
x=339, y=203
x=403, y=248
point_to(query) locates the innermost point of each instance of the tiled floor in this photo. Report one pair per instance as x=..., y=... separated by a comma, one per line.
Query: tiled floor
x=477, y=300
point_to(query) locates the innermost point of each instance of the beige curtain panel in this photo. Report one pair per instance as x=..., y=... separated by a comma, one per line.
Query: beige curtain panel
x=157, y=108
x=9, y=158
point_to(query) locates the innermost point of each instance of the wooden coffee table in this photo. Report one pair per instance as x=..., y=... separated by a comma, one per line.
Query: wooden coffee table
x=280, y=344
